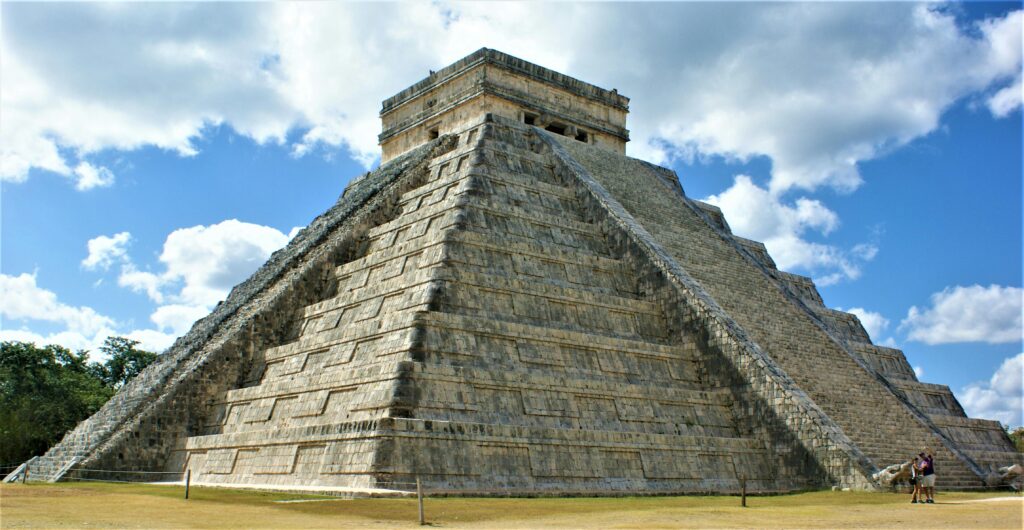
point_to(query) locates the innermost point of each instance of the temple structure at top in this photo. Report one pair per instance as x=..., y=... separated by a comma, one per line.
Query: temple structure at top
x=488, y=81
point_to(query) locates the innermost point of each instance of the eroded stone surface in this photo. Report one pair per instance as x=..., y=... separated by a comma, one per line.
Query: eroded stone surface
x=506, y=310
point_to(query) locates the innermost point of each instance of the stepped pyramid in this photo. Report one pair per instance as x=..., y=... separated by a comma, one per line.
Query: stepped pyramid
x=509, y=304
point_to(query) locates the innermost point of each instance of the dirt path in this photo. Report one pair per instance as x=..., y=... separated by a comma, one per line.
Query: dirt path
x=1017, y=498
x=140, y=506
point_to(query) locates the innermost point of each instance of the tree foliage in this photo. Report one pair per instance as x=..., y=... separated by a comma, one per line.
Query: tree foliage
x=1017, y=437
x=124, y=361
x=44, y=392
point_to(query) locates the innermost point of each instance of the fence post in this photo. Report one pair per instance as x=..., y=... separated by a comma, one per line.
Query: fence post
x=24, y=476
x=419, y=497
x=743, y=491
x=188, y=481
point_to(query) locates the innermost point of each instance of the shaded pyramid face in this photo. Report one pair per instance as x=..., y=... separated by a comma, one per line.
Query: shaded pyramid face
x=510, y=308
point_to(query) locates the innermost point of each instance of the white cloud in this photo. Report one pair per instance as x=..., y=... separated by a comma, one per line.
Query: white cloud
x=22, y=299
x=104, y=251
x=70, y=340
x=1004, y=37
x=92, y=77
x=152, y=340
x=818, y=88
x=202, y=263
x=1006, y=100
x=968, y=314
x=178, y=318
x=918, y=372
x=149, y=340
x=142, y=282
x=210, y=260
x=1001, y=397
x=753, y=212
x=88, y=176
x=874, y=323
x=83, y=328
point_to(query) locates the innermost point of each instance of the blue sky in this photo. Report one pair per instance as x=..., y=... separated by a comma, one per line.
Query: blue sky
x=152, y=156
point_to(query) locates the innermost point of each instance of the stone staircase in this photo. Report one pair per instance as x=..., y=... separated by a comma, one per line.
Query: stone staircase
x=808, y=341
x=557, y=336
x=488, y=323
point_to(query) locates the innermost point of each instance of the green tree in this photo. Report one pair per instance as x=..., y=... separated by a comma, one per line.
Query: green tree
x=44, y=392
x=1017, y=437
x=124, y=361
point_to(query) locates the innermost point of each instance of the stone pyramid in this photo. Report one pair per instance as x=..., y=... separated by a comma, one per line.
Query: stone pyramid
x=511, y=305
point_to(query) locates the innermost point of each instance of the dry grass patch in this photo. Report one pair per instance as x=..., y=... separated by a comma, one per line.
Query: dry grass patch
x=99, y=505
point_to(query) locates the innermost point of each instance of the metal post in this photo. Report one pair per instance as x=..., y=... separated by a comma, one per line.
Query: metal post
x=419, y=497
x=24, y=476
x=188, y=481
x=743, y=491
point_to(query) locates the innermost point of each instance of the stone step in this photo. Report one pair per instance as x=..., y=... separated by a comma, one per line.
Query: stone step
x=682, y=346
x=557, y=289
x=493, y=178
x=560, y=273
x=523, y=245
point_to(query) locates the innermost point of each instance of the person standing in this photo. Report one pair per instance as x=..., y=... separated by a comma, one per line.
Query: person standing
x=914, y=482
x=927, y=475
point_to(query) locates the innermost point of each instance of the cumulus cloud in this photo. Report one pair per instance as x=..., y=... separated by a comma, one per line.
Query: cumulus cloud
x=88, y=176
x=82, y=78
x=207, y=261
x=142, y=282
x=1001, y=397
x=755, y=213
x=818, y=88
x=200, y=266
x=874, y=323
x=177, y=318
x=1006, y=100
x=968, y=314
x=149, y=339
x=1004, y=38
x=106, y=250
x=918, y=372
x=82, y=328
x=22, y=299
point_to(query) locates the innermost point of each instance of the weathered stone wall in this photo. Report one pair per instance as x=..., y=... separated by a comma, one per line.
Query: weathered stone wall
x=506, y=312
x=799, y=431
x=489, y=81
x=150, y=417
x=314, y=416
x=519, y=358
x=882, y=425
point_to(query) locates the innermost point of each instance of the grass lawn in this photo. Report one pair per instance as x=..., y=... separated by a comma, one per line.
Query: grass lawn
x=104, y=505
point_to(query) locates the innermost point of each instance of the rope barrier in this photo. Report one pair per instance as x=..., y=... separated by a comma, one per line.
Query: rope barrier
x=127, y=471
x=80, y=479
x=11, y=464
